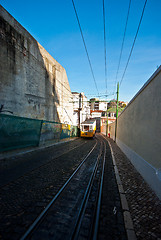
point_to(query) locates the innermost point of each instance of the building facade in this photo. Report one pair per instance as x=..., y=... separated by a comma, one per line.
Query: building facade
x=96, y=104
x=81, y=109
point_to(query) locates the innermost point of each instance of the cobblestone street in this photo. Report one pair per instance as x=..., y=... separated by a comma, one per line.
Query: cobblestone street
x=144, y=205
x=80, y=109
x=32, y=179
x=37, y=179
x=24, y=197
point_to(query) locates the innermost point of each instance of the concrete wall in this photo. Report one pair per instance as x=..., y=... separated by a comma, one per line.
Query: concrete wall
x=33, y=84
x=139, y=131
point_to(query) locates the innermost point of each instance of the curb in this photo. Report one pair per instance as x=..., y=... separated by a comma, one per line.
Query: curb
x=129, y=227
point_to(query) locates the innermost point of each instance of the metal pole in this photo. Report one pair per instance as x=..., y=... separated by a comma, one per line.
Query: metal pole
x=79, y=109
x=117, y=110
x=107, y=125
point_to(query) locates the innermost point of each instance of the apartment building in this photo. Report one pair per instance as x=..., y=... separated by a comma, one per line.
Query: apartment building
x=81, y=109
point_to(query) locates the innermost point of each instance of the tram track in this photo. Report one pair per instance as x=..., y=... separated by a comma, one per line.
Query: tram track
x=78, y=202
x=95, y=182
x=44, y=212
x=57, y=201
x=22, y=200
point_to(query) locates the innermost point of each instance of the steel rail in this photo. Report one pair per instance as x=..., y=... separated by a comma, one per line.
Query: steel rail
x=43, y=213
x=85, y=199
x=96, y=225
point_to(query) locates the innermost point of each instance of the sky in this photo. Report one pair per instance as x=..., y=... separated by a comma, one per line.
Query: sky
x=54, y=25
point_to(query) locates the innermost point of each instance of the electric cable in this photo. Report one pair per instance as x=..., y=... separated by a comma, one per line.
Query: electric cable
x=104, y=27
x=85, y=45
x=101, y=95
x=133, y=42
x=122, y=43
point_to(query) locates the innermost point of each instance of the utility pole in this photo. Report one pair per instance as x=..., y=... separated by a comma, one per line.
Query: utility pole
x=117, y=110
x=79, y=109
x=107, y=124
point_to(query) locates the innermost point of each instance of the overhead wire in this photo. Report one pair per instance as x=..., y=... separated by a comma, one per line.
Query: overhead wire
x=133, y=42
x=104, y=27
x=85, y=46
x=122, y=45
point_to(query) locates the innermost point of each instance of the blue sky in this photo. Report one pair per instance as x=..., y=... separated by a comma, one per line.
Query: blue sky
x=53, y=24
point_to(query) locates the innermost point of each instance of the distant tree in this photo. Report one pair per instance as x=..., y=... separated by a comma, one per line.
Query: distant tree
x=111, y=104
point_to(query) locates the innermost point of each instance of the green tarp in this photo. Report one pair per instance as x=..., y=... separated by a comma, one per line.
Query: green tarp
x=17, y=132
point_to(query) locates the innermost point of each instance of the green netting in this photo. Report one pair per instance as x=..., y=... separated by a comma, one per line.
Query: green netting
x=57, y=131
x=18, y=132
x=73, y=131
x=50, y=131
x=65, y=132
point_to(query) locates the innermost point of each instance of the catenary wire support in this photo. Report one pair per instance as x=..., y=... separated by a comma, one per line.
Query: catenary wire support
x=116, y=111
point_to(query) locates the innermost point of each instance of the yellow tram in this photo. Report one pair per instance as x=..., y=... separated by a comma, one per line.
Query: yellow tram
x=88, y=128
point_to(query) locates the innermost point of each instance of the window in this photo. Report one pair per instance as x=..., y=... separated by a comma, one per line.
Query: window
x=86, y=128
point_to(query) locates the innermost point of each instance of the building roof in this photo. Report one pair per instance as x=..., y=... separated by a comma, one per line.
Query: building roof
x=89, y=121
x=96, y=111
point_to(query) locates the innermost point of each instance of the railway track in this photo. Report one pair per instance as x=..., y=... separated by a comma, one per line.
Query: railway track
x=74, y=211
x=71, y=197
x=23, y=199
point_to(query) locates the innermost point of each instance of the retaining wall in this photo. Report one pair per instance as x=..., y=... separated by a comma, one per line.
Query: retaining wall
x=32, y=83
x=139, y=131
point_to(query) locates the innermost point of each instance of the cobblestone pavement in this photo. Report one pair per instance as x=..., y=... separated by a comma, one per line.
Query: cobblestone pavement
x=144, y=205
x=23, y=199
x=16, y=164
x=61, y=219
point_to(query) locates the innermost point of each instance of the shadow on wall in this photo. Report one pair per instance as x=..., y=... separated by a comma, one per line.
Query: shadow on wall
x=27, y=85
x=28, y=78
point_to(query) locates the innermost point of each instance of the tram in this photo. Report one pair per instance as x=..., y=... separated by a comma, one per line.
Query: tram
x=88, y=128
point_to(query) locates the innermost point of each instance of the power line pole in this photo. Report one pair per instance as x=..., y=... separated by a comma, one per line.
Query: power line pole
x=79, y=109
x=117, y=110
x=107, y=124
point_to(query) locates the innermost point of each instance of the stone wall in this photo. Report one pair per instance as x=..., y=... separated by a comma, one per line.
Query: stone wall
x=33, y=84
